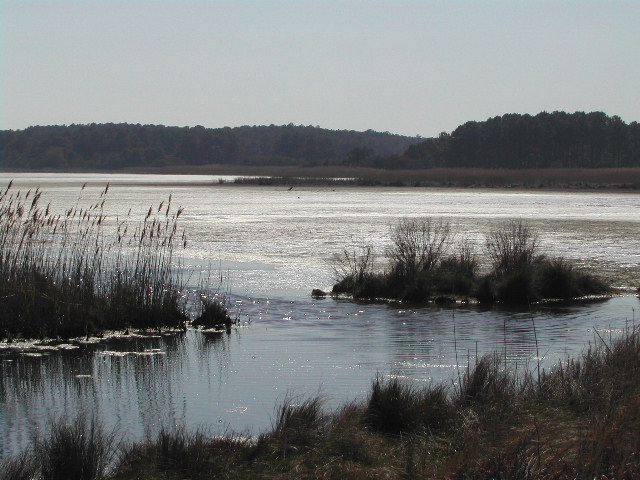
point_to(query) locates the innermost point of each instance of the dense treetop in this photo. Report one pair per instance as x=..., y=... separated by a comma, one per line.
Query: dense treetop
x=558, y=139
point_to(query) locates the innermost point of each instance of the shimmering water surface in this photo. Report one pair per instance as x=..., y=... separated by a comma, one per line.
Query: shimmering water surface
x=274, y=245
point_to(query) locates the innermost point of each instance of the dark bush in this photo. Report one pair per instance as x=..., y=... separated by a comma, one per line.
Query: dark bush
x=457, y=274
x=484, y=290
x=517, y=287
x=395, y=407
x=557, y=279
x=80, y=450
x=214, y=313
x=420, y=269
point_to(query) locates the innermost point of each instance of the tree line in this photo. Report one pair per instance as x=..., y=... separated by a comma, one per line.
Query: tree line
x=513, y=141
x=546, y=140
x=117, y=146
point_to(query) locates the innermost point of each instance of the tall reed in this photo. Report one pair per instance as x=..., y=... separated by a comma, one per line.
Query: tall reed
x=66, y=274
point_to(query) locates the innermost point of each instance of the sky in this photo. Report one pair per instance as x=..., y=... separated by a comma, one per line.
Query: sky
x=416, y=67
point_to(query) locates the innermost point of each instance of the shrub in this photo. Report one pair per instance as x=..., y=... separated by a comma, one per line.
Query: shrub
x=517, y=287
x=484, y=290
x=511, y=247
x=456, y=274
x=417, y=246
x=557, y=279
x=353, y=266
x=420, y=269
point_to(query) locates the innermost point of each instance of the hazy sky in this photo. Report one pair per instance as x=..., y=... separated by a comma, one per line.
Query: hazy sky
x=410, y=67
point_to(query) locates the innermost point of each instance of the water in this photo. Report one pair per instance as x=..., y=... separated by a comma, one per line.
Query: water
x=273, y=246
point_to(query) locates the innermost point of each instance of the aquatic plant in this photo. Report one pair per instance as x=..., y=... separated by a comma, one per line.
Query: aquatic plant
x=65, y=274
x=214, y=312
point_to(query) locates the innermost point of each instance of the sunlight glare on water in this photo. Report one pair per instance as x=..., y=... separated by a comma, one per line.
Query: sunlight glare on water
x=272, y=246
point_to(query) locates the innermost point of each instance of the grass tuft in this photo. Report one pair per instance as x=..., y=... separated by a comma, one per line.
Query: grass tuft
x=80, y=450
x=396, y=407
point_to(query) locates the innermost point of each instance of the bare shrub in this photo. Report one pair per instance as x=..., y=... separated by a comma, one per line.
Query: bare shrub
x=457, y=272
x=511, y=246
x=354, y=263
x=418, y=245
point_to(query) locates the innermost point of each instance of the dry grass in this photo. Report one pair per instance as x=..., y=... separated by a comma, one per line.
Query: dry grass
x=66, y=274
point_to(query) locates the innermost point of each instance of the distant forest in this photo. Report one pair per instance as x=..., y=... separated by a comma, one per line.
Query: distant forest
x=513, y=141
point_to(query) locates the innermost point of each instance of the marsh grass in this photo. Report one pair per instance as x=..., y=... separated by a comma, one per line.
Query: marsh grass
x=178, y=453
x=549, y=178
x=579, y=420
x=65, y=274
x=19, y=467
x=74, y=449
x=425, y=263
x=396, y=407
x=214, y=312
x=299, y=423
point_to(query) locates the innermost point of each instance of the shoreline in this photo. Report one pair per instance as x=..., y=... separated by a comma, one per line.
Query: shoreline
x=625, y=180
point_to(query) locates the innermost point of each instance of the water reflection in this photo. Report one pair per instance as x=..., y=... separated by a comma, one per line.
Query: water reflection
x=293, y=347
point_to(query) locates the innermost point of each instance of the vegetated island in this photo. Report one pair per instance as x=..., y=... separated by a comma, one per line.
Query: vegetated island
x=547, y=150
x=423, y=264
x=578, y=420
x=66, y=275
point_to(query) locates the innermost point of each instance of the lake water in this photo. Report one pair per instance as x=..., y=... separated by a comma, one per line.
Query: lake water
x=273, y=245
